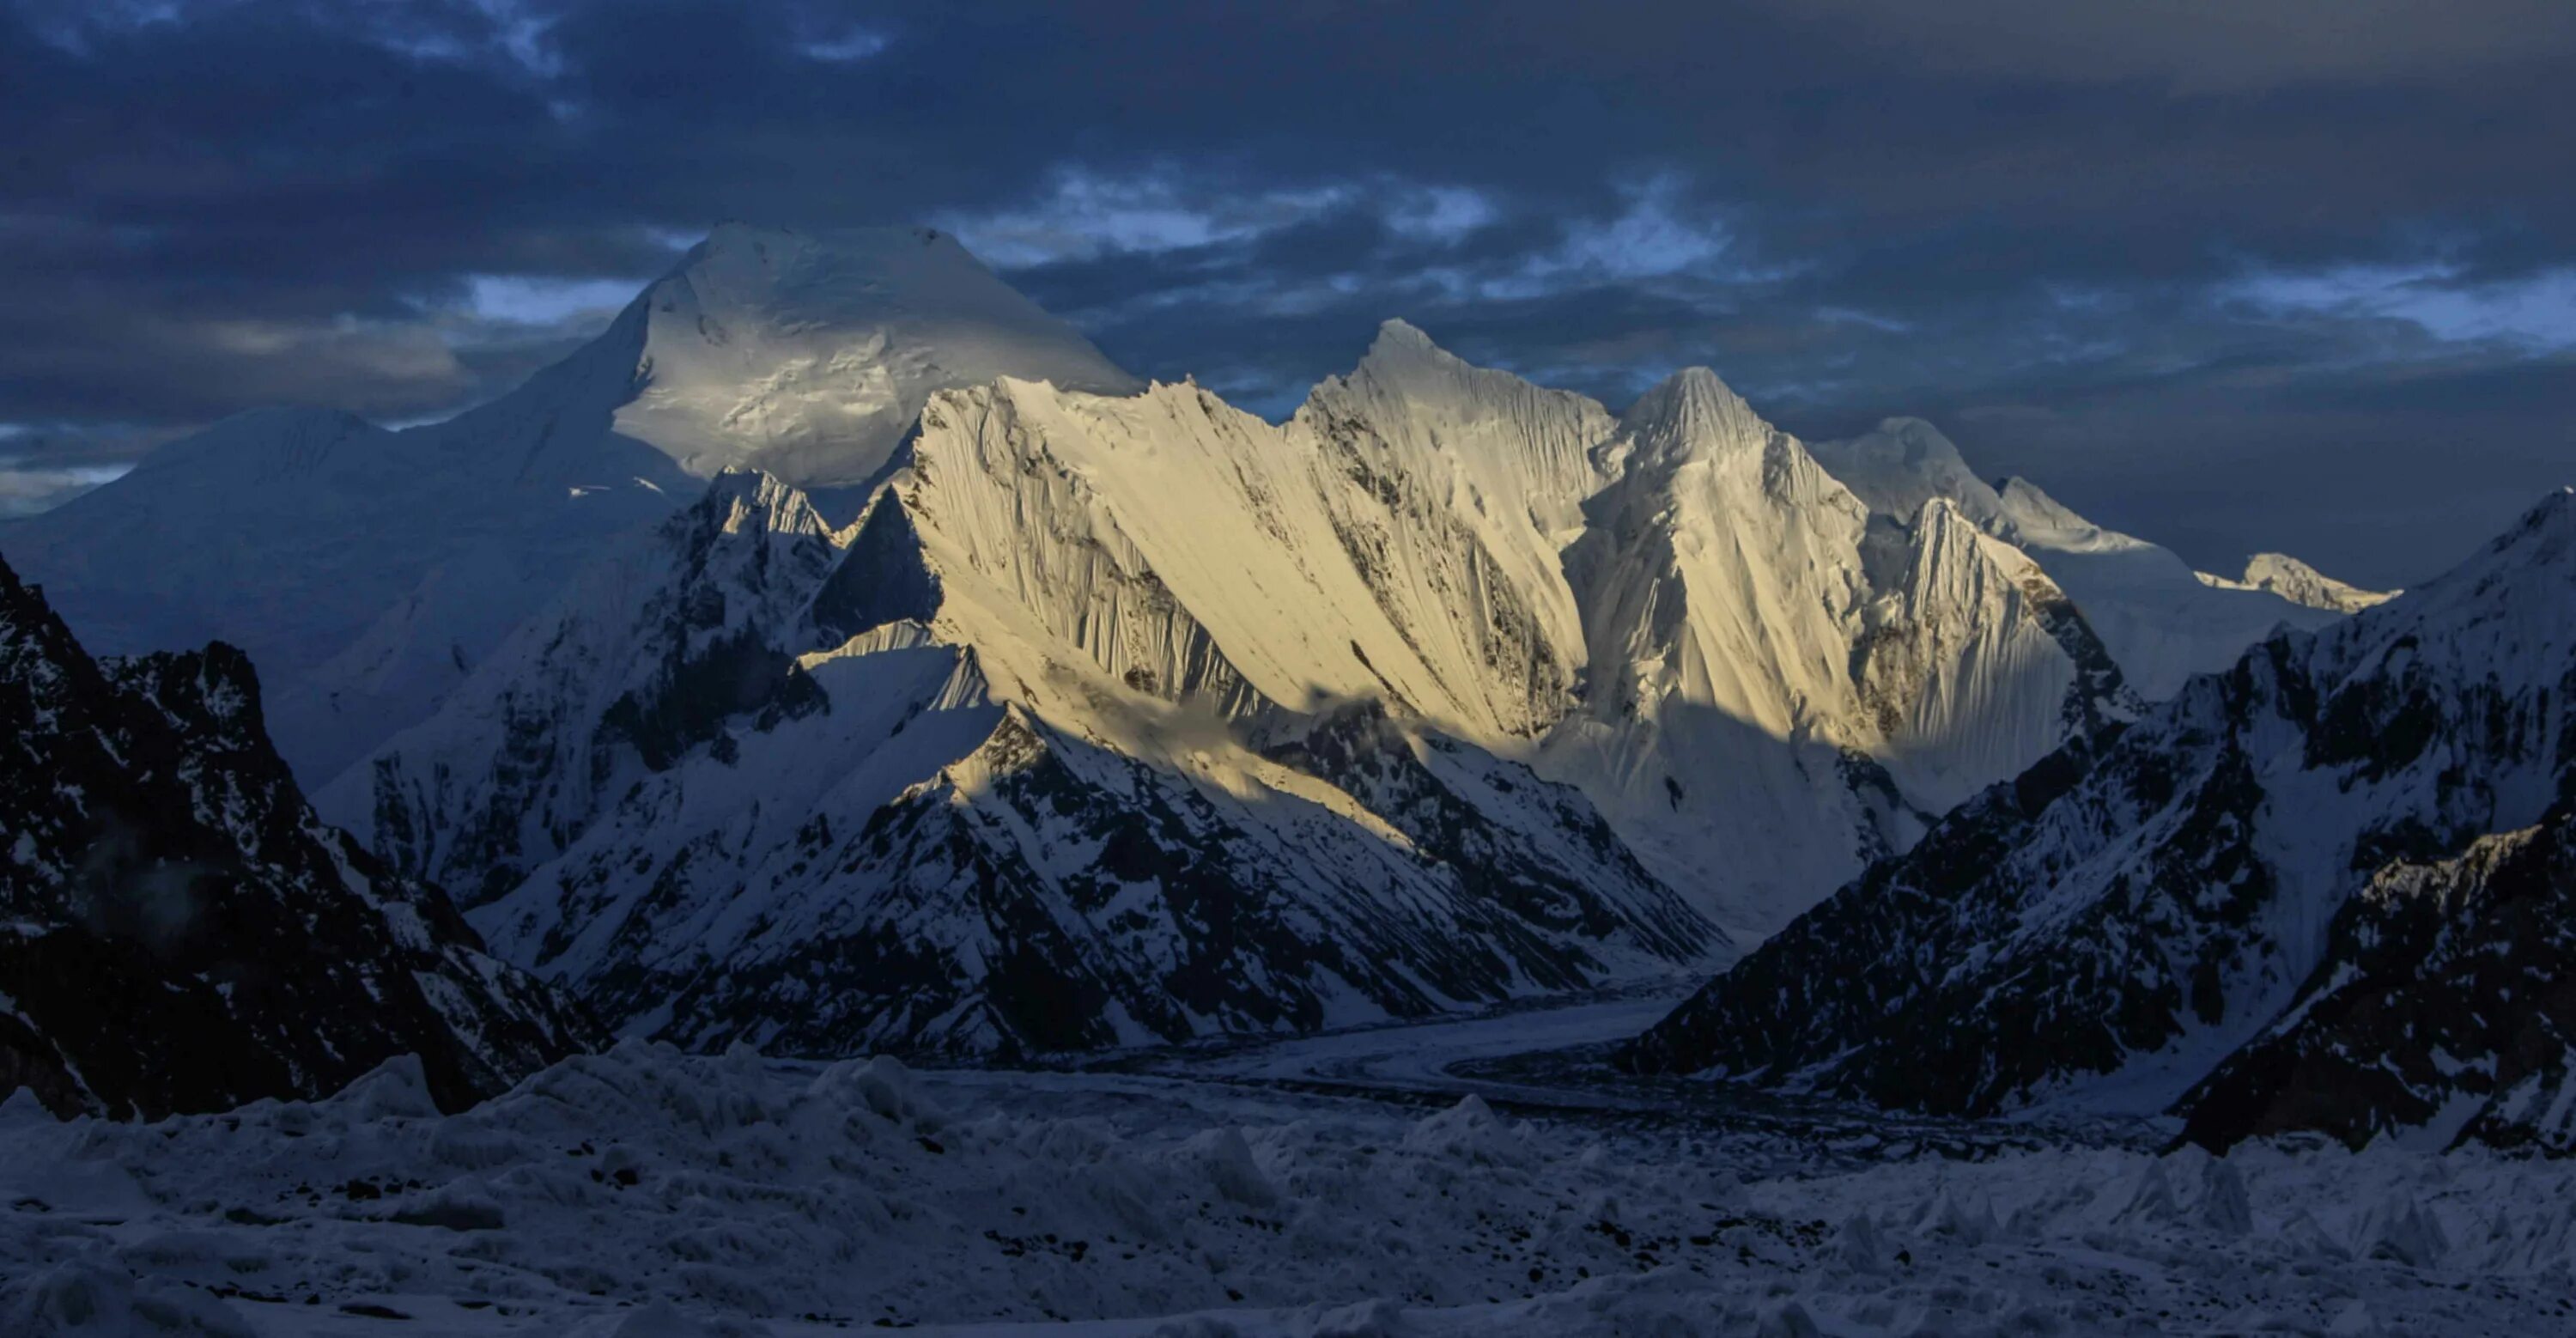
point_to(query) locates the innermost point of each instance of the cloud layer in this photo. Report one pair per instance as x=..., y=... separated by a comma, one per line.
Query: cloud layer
x=2292, y=275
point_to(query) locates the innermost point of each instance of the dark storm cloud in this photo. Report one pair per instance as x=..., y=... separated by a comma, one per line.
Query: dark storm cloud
x=2292, y=274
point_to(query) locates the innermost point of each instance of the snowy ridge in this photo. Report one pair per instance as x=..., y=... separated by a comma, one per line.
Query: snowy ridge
x=2159, y=620
x=2443, y=1012
x=1760, y=678
x=1679, y=615
x=916, y=785
x=642, y=655
x=1085, y=557
x=1781, y=689
x=2117, y=921
x=367, y=571
x=1466, y=485
x=2299, y=583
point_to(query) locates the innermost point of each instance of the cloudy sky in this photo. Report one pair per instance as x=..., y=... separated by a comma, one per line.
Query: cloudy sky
x=2236, y=274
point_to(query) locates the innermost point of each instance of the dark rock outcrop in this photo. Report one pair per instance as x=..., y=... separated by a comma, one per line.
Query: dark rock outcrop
x=181, y=934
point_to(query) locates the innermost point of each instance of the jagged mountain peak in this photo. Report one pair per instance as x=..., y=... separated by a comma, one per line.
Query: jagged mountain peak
x=184, y=934
x=1693, y=414
x=740, y=497
x=1405, y=363
x=1397, y=337
x=2545, y=534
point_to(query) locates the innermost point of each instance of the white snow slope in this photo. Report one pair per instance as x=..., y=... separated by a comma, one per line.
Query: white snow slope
x=1761, y=674
x=644, y=1194
x=2160, y=620
x=834, y=791
x=880, y=787
x=2105, y=932
x=366, y=571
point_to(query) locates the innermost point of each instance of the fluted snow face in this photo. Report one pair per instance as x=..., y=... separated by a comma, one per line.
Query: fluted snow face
x=369, y=571
x=1065, y=593
x=1188, y=548
x=1467, y=485
x=1780, y=687
x=960, y=778
x=1967, y=681
x=1693, y=415
x=2160, y=621
x=1683, y=615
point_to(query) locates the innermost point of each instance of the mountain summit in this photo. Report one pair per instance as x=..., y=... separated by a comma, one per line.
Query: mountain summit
x=809, y=355
x=987, y=700
x=367, y=571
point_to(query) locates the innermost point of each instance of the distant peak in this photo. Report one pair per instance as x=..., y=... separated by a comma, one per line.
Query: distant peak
x=1692, y=411
x=1921, y=440
x=747, y=257
x=1401, y=344
x=739, y=481
x=2550, y=521
x=738, y=493
x=2300, y=583
x=288, y=417
x=2017, y=488
x=1396, y=332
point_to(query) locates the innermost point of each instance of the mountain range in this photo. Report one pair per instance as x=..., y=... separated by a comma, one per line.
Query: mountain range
x=841, y=654
x=2323, y=889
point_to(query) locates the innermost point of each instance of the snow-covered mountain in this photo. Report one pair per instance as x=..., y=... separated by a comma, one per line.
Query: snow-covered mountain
x=1450, y=687
x=809, y=356
x=1458, y=686
x=755, y=779
x=2299, y=583
x=2111, y=925
x=182, y=934
x=2160, y=620
x=2444, y=1010
x=367, y=571
x=1782, y=686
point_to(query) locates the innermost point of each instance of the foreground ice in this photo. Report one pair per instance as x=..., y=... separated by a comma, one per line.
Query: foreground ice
x=643, y=1193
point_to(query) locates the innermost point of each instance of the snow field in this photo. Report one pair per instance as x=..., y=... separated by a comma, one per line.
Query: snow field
x=645, y=1193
